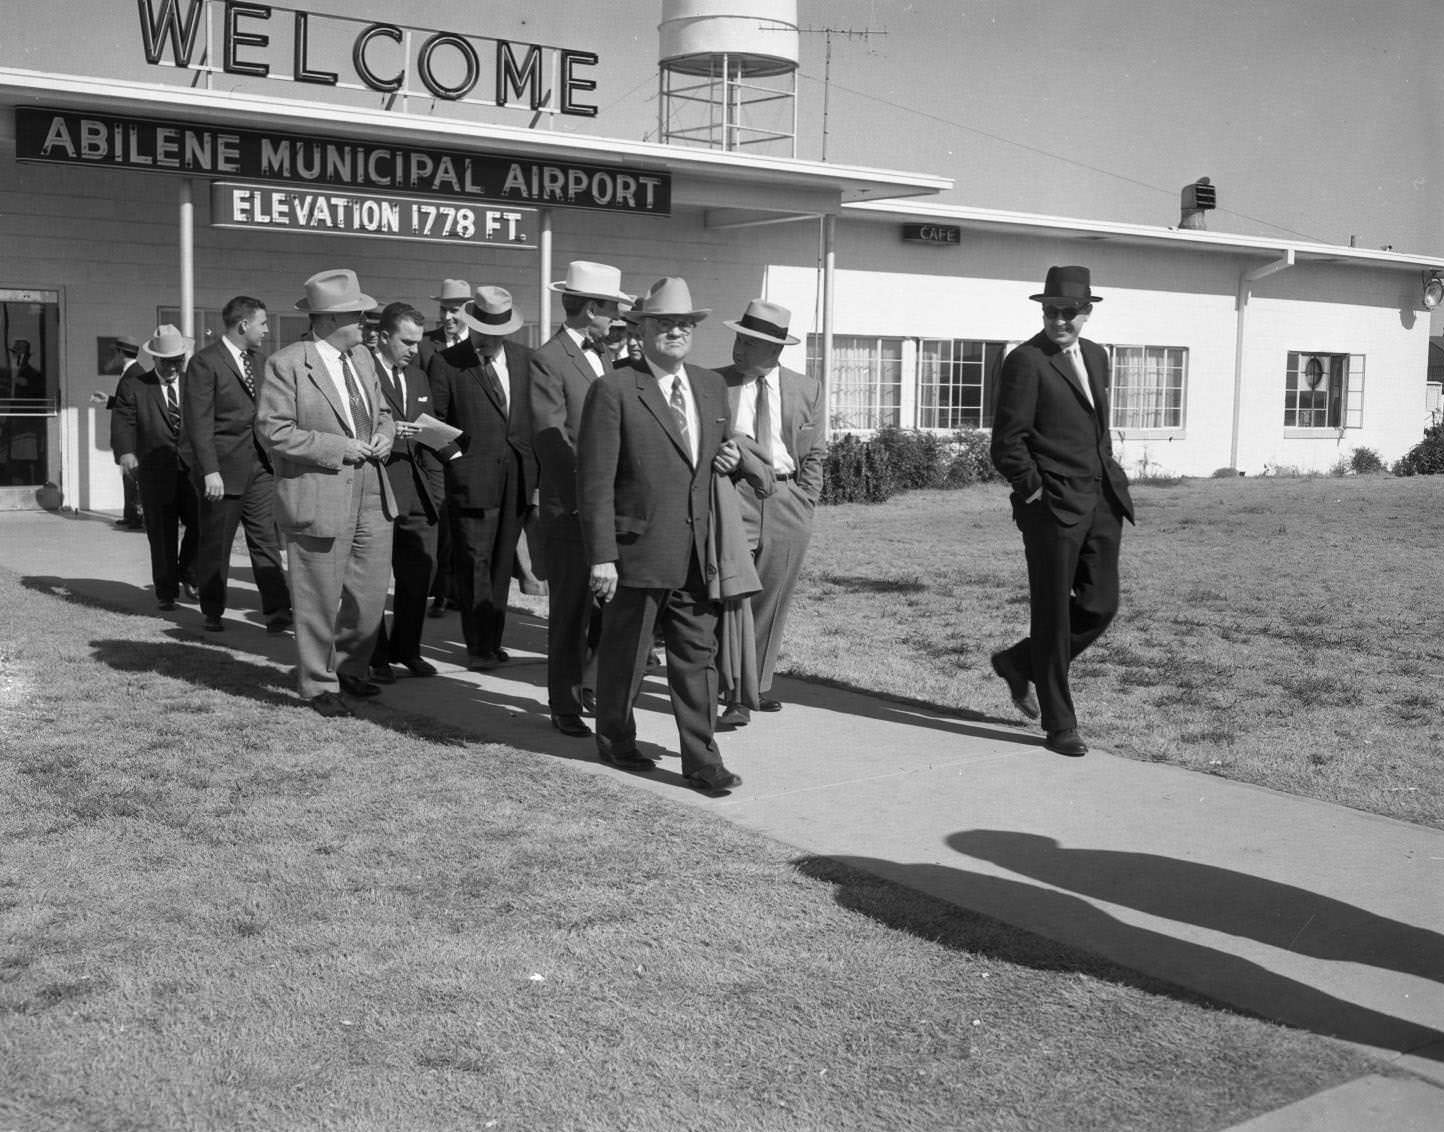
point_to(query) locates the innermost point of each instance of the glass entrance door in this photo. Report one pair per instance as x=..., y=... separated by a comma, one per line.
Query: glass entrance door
x=29, y=394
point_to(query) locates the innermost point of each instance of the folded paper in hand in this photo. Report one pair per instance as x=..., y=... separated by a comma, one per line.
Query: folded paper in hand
x=435, y=434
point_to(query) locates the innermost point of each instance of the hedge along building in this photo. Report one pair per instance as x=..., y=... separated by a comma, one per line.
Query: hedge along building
x=289, y=141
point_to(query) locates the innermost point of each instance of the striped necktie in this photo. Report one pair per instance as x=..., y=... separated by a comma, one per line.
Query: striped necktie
x=679, y=410
x=360, y=413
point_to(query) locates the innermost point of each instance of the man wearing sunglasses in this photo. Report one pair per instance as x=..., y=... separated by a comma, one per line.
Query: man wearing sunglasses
x=1051, y=441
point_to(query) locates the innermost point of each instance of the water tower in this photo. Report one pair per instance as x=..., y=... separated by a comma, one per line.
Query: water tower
x=728, y=75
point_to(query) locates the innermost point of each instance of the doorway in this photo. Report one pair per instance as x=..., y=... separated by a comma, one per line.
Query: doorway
x=29, y=395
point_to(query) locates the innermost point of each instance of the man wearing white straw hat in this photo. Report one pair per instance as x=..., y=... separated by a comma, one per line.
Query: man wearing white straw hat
x=652, y=434
x=782, y=411
x=561, y=372
x=144, y=433
x=480, y=386
x=322, y=417
x=450, y=330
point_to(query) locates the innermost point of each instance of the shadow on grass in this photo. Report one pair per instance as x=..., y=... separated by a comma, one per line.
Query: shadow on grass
x=991, y=906
x=96, y=593
x=864, y=585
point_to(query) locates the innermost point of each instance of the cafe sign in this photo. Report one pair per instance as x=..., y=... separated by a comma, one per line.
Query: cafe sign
x=195, y=150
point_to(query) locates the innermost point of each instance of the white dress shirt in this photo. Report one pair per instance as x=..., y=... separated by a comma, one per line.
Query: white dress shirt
x=746, y=419
x=594, y=358
x=1080, y=371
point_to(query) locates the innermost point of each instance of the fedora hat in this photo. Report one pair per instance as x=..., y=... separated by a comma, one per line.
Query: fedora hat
x=767, y=321
x=1066, y=285
x=168, y=342
x=336, y=291
x=453, y=291
x=491, y=313
x=669, y=297
x=127, y=345
x=592, y=281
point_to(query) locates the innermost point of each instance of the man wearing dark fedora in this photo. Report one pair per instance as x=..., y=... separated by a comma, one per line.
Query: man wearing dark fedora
x=782, y=411
x=127, y=349
x=453, y=295
x=144, y=435
x=653, y=432
x=232, y=475
x=328, y=428
x=480, y=385
x=1051, y=441
x=562, y=371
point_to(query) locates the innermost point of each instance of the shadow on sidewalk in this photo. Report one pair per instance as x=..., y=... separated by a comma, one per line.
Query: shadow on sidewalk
x=1086, y=934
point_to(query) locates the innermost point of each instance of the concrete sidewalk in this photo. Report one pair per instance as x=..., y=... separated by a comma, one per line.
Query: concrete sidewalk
x=1317, y=916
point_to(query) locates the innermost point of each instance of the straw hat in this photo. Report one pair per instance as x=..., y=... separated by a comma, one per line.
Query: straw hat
x=168, y=342
x=336, y=291
x=453, y=291
x=491, y=313
x=592, y=281
x=767, y=321
x=669, y=297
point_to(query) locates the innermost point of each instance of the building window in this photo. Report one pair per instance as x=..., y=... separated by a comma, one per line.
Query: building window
x=1148, y=383
x=865, y=389
x=957, y=382
x=1324, y=391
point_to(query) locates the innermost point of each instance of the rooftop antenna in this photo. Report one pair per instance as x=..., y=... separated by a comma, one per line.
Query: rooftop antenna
x=828, y=33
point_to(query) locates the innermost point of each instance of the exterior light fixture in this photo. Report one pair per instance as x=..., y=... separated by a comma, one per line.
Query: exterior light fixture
x=1433, y=291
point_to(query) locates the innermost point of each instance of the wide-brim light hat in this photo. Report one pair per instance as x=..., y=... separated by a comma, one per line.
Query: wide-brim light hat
x=168, y=342
x=669, y=297
x=1067, y=285
x=767, y=321
x=589, y=280
x=491, y=313
x=453, y=291
x=335, y=291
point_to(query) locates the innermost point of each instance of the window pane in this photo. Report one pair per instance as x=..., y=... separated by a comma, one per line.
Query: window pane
x=1148, y=386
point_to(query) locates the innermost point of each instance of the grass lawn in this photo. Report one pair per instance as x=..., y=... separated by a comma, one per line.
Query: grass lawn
x=1286, y=632
x=220, y=911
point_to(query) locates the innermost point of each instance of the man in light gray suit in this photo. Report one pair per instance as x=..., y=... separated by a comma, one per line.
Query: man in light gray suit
x=322, y=419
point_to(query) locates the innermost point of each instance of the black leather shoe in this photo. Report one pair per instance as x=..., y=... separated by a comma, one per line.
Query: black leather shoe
x=569, y=724
x=166, y=605
x=589, y=702
x=438, y=608
x=485, y=662
x=714, y=780
x=1066, y=743
x=214, y=625
x=355, y=686
x=330, y=704
x=733, y=717
x=655, y=661
x=382, y=674
x=278, y=623
x=1020, y=691
x=418, y=667
x=627, y=760
x=765, y=704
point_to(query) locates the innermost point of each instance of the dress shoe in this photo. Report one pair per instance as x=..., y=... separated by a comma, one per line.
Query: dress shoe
x=627, y=760
x=214, y=625
x=764, y=704
x=483, y=662
x=655, y=661
x=166, y=605
x=714, y=780
x=382, y=674
x=438, y=608
x=733, y=717
x=355, y=686
x=1019, y=688
x=278, y=623
x=569, y=724
x=589, y=701
x=189, y=592
x=1066, y=743
x=330, y=704
x=418, y=667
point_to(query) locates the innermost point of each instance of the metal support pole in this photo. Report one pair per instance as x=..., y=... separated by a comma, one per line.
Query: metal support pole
x=829, y=269
x=187, y=259
x=544, y=260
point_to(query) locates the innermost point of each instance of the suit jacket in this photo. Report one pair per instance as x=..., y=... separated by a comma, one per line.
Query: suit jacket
x=141, y=425
x=802, y=419
x=218, y=419
x=415, y=470
x=494, y=435
x=643, y=505
x=1046, y=435
x=302, y=423
x=561, y=374
x=432, y=342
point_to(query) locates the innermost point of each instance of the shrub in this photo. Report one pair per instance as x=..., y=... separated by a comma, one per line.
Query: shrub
x=1365, y=461
x=1225, y=473
x=1427, y=457
x=855, y=472
x=972, y=460
x=915, y=459
x=1340, y=467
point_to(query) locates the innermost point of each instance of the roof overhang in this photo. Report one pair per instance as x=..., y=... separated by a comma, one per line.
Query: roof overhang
x=702, y=178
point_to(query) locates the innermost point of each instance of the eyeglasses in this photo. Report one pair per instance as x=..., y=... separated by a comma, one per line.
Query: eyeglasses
x=1067, y=314
x=667, y=325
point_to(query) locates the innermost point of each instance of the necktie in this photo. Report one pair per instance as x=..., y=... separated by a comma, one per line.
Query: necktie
x=400, y=384
x=679, y=410
x=360, y=413
x=1080, y=371
x=172, y=405
x=494, y=380
x=248, y=372
x=762, y=422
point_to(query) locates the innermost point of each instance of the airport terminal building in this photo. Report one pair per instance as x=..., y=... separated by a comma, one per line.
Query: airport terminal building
x=223, y=148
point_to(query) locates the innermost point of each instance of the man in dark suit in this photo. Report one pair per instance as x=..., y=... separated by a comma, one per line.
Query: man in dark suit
x=562, y=370
x=126, y=349
x=419, y=485
x=144, y=431
x=455, y=294
x=232, y=476
x=480, y=387
x=782, y=411
x=328, y=430
x=1051, y=441
x=652, y=433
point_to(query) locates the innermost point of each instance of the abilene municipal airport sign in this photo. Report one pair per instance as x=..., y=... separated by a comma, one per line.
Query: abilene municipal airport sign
x=369, y=214
x=195, y=150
